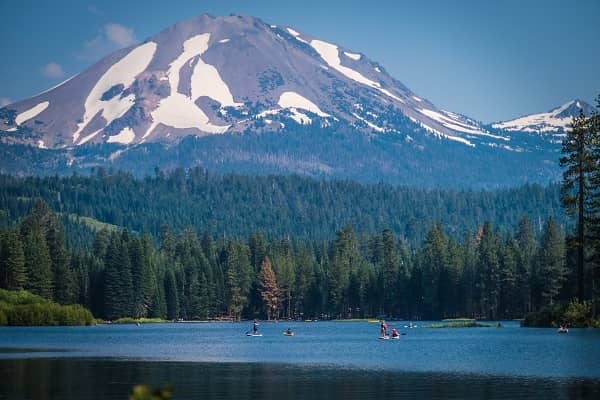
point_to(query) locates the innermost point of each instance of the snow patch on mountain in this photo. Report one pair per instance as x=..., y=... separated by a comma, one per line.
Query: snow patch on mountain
x=300, y=117
x=369, y=123
x=353, y=56
x=296, y=34
x=439, y=134
x=452, y=121
x=58, y=85
x=178, y=110
x=206, y=81
x=32, y=112
x=295, y=100
x=89, y=137
x=126, y=136
x=330, y=53
x=122, y=72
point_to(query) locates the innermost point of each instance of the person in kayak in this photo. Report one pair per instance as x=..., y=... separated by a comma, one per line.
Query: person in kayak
x=395, y=332
x=255, y=327
x=289, y=331
x=383, y=329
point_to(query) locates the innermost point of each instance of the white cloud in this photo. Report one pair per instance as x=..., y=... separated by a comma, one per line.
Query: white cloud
x=53, y=70
x=110, y=38
x=119, y=35
x=93, y=9
x=4, y=101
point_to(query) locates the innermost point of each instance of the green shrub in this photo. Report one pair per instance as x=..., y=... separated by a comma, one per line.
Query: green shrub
x=546, y=317
x=21, y=308
x=578, y=314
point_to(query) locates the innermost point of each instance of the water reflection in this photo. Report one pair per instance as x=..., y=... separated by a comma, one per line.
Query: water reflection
x=66, y=378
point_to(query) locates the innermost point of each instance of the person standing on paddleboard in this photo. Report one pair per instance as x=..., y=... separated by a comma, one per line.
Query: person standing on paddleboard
x=255, y=327
x=383, y=327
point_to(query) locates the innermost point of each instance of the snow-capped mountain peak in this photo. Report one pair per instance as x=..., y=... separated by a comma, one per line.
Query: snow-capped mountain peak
x=555, y=121
x=215, y=75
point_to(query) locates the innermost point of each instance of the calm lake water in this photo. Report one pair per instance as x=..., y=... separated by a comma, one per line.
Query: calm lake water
x=324, y=360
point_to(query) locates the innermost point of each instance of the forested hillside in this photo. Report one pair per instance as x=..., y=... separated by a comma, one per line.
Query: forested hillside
x=194, y=275
x=302, y=208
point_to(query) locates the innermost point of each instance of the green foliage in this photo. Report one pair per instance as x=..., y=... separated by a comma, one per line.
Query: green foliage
x=353, y=275
x=239, y=206
x=578, y=314
x=21, y=308
x=461, y=324
x=547, y=316
x=144, y=392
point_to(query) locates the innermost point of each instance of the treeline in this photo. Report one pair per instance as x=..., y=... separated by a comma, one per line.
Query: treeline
x=485, y=274
x=237, y=206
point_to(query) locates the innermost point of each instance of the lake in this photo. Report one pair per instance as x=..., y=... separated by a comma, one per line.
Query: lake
x=324, y=360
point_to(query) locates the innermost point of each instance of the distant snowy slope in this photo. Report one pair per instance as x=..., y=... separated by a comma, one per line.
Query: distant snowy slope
x=556, y=120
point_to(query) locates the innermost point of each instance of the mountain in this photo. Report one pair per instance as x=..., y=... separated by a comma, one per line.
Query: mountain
x=554, y=122
x=237, y=94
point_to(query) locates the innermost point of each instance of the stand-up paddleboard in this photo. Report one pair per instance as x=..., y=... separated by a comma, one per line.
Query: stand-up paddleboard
x=384, y=337
x=253, y=334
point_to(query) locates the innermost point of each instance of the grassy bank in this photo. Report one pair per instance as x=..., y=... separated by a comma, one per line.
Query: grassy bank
x=462, y=324
x=22, y=308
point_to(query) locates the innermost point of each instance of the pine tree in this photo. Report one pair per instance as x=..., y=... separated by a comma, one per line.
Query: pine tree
x=594, y=127
x=390, y=272
x=526, y=244
x=63, y=280
x=38, y=263
x=433, y=258
x=488, y=272
x=578, y=162
x=267, y=285
x=551, y=269
x=171, y=296
x=12, y=261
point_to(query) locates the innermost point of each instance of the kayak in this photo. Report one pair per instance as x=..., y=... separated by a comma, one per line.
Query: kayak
x=288, y=334
x=563, y=330
x=396, y=337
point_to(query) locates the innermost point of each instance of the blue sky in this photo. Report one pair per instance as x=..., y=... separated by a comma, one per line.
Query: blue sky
x=491, y=60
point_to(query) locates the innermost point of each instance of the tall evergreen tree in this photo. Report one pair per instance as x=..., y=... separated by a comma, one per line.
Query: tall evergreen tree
x=12, y=261
x=38, y=263
x=551, y=269
x=526, y=244
x=578, y=162
x=63, y=281
x=269, y=292
x=390, y=272
x=488, y=271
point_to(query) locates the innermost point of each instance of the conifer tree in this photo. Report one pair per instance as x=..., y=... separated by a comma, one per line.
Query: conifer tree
x=578, y=162
x=12, y=261
x=38, y=263
x=63, y=280
x=390, y=272
x=269, y=292
x=551, y=269
x=171, y=296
